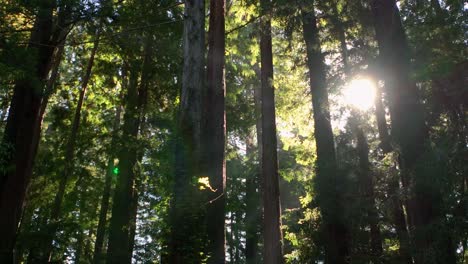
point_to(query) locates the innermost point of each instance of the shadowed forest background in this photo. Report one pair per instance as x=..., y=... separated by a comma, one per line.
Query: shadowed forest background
x=222, y=131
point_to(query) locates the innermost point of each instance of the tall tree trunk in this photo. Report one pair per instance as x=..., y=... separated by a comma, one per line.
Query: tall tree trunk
x=385, y=143
x=367, y=191
x=118, y=250
x=139, y=188
x=69, y=156
x=252, y=214
x=101, y=229
x=327, y=178
x=214, y=134
x=411, y=134
x=22, y=131
x=133, y=224
x=398, y=214
x=273, y=238
x=184, y=245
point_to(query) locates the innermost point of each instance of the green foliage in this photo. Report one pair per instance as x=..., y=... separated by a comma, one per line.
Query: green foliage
x=437, y=40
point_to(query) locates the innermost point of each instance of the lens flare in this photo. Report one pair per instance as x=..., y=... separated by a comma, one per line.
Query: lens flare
x=360, y=93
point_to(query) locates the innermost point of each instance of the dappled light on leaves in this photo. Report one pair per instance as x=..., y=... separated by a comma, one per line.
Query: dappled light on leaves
x=204, y=184
x=227, y=135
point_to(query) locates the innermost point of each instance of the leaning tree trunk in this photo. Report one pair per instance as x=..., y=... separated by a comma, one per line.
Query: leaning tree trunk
x=185, y=234
x=214, y=134
x=410, y=133
x=273, y=238
x=327, y=179
x=22, y=131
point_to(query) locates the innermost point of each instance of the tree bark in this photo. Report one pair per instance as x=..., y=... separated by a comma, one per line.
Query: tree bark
x=272, y=235
x=101, y=229
x=214, y=134
x=409, y=131
x=123, y=206
x=133, y=220
x=398, y=214
x=367, y=190
x=185, y=213
x=22, y=131
x=327, y=178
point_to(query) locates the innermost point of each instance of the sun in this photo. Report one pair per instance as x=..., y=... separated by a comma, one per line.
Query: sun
x=360, y=93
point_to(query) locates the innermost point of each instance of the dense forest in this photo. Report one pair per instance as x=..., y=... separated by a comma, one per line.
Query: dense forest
x=223, y=131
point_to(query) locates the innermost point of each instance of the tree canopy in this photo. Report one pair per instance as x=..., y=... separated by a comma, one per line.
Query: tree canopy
x=222, y=131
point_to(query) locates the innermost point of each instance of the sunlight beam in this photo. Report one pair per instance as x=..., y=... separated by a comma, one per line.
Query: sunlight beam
x=360, y=93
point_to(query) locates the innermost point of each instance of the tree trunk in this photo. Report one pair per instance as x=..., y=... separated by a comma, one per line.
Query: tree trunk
x=214, y=134
x=69, y=156
x=411, y=134
x=367, y=190
x=327, y=179
x=398, y=214
x=101, y=229
x=185, y=233
x=273, y=238
x=133, y=220
x=118, y=250
x=22, y=132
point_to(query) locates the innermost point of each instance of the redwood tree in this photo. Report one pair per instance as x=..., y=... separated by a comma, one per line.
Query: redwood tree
x=124, y=199
x=273, y=238
x=410, y=133
x=214, y=133
x=22, y=131
x=184, y=242
x=327, y=179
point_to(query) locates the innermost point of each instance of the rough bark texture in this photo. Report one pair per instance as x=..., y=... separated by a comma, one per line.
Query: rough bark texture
x=184, y=244
x=327, y=179
x=273, y=238
x=101, y=228
x=214, y=134
x=22, y=131
x=410, y=133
